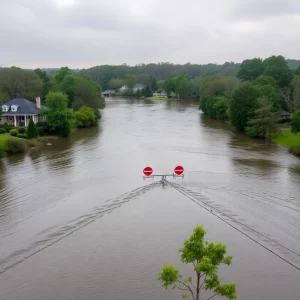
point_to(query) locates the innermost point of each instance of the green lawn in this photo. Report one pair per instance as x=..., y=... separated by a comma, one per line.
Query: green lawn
x=288, y=139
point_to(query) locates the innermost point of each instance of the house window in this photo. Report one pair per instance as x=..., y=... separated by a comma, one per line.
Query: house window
x=11, y=118
x=5, y=108
x=14, y=107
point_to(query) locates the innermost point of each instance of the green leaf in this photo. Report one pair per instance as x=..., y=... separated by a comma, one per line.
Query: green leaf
x=168, y=275
x=227, y=290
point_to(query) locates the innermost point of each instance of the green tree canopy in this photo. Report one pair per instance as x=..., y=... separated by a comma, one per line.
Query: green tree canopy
x=170, y=84
x=206, y=257
x=218, y=85
x=56, y=101
x=295, y=121
x=116, y=83
x=266, y=80
x=18, y=83
x=153, y=83
x=62, y=73
x=250, y=69
x=295, y=93
x=216, y=107
x=265, y=121
x=47, y=82
x=130, y=80
x=59, y=119
x=243, y=106
x=277, y=67
x=270, y=93
x=87, y=93
x=147, y=91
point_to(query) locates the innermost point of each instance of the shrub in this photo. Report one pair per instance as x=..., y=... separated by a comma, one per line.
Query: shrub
x=9, y=128
x=2, y=131
x=14, y=145
x=216, y=107
x=31, y=130
x=21, y=136
x=14, y=132
x=251, y=131
x=85, y=117
x=22, y=130
x=41, y=131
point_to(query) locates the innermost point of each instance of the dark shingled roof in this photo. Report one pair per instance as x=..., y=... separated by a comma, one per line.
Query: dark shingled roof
x=26, y=107
x=285, y=113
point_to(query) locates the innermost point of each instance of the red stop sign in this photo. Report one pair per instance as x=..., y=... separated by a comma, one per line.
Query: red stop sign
x=148, y=171
x=179, y=170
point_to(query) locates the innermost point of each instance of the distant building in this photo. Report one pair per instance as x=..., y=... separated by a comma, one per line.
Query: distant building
x=163, y=94
x=106, y=93
x=137, y=87
x=19, y=111
x=124, y=88
x=285, y=115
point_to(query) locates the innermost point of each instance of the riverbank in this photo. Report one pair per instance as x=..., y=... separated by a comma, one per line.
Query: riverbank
x=289, y=140
x=155, y=98
x=21, y=145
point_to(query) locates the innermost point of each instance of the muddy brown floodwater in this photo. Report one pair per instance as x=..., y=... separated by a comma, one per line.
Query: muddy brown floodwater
x=77, y=220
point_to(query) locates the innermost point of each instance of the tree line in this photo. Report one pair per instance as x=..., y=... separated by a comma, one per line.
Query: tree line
x=72, y=99
x=115, y=76
x=252, y=100
x=110, y=77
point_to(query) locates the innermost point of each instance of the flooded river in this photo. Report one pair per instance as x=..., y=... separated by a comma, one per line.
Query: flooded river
x=77, y=220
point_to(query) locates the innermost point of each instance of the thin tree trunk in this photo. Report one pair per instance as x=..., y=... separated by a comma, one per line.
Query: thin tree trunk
x=198, y=286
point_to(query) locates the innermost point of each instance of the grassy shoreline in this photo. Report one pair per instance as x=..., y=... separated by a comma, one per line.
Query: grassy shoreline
x=289, y=140
x=28, y=144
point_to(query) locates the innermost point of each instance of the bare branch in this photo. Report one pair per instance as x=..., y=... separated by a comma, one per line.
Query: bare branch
x=212, y=296
x=188, y=288
x=180, y=288
x=203, y=282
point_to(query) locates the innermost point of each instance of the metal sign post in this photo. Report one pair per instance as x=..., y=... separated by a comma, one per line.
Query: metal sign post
x=178, y=172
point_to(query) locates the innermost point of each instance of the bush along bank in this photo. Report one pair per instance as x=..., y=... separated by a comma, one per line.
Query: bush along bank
x=255, y=100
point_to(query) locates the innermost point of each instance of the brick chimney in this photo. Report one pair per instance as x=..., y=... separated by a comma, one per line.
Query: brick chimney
x=38, y=102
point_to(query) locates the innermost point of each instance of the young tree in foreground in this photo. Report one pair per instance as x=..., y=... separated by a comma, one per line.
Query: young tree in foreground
x=31, y=130
x=206, y=258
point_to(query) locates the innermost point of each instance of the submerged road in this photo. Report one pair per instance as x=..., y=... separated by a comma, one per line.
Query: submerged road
x=77, y=221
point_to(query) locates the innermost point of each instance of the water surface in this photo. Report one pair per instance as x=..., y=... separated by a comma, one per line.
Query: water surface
x=77, y=220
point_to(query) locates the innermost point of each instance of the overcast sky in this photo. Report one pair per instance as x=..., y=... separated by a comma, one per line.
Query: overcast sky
x=85, y=33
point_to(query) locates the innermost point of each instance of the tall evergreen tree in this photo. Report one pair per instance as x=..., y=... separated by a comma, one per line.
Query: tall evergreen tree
x=32, y=130
x=265, y=122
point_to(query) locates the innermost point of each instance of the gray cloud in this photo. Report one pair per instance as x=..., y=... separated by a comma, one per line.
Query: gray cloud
x=257, y=9
x=84, y=33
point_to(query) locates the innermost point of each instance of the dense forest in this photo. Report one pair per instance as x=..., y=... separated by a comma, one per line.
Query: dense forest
x=261, y=95
x=109, y=76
